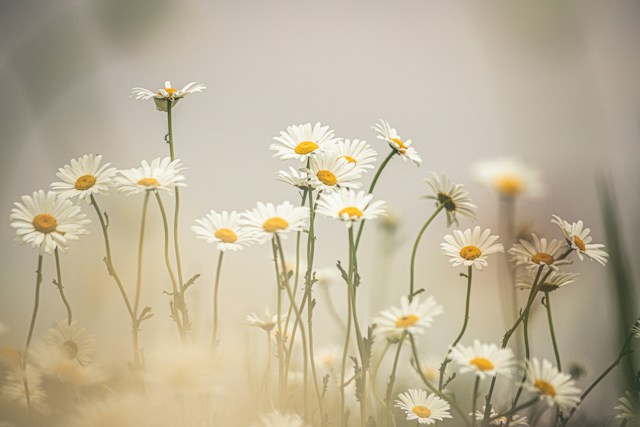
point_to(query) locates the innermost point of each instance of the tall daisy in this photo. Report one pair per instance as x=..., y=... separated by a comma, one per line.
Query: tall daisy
x=509, y=177
x=357, y=152
x=539, y=252
x=552, y=386
x=303, y=141
x=84, y=177
x=167, y=93
x=160, y=174
x=483, y=359
x=471, y=247
x=297, y=178
x=578, y=238
x=329, y=172
x=554, y=280
x=224, y=229
x=419, y=405
x=266, y=220
x=413, y=317
x=395, y=141
x=47, y=221
x=452, y=196
x=350, y=206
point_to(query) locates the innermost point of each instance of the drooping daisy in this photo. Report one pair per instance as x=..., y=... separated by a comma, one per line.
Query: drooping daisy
x=453, y=196
x=553, y=281
x=629, y=407
x=302, y=141
x=483, y=359
x=297, y=178
x=14, y=392
x=224, y=229
x=470, y=248
x=160, y=174
x=516, y=420
x=84, y=177
x=268, y=219
x=47, y=221
x=329, y=172
x=404, y=148
x=552, y=386
x=509, y=177
x=413, y=317
x=69, y=342
x=539, y=252
x=266, y=322
x=277, y=419
x=350, y=206
x=357, y=152
x=421, y=406
x=167, y=93
x=578, y=238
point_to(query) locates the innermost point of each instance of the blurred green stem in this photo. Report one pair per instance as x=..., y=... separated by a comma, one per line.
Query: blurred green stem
x=58, y=283
x=415, y=250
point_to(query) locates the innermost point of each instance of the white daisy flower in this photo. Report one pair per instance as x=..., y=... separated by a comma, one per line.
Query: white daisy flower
x=516, y=420
x=629, y=407
x=357, y=152
x=483, y=359
x=350, y=206
x=580, y=241
x=329, y=172
x=328, y=359
x=168, y=92
x=553, y=281
x=268, y=219
x=297, y=178
x=509, y=177
x=161, y=174
x=424, y=407
x=430, y=366
x=13, y=391
x=302, y=141
x=413, y=317
x=539, y=252
x=635, y=329
x=327, y=276
x=69, y=342
x=470, y=248
x=404, y=148
x=266, y=322
x=277, y=419
x=453, y=196
x=552, y=386
x=47, y=221
x=224, y=229
x=84, y=177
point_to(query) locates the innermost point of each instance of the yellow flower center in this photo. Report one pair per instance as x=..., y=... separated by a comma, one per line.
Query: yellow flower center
x=327, y=177
x=421, y=411
x=482, y=363
x=170, y=90
x=148, y=182
x=545, y=388
x=406, y=321
x=70, y=349
x=542, y=257
x=509, y=185
x=470, y=252
x=328, y=360
x=306, y=147
x=275, y=224
x=45, y=223
x=349, y=159
x=401, y=147
x=352, y=211
x=85, y=182
x=225, y=235
x=579, y=243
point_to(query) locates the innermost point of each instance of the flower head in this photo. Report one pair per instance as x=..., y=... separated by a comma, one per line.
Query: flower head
x=298, y=178
x=224, y=229
x=552, y=386
x=266, y=220
x=357, y=152
x=69, y=342
x=329, y=172
x=471, y=247
x=629, y=407
x=413, y=317
x=266, y=322
x=167, y=94
x=84, y=177
x=328, y=359
x=509, y=177
x=421, y=406
x=350, y=206
x=539, y=252
x=395, y=141
x=578, y=238
x=14, y=391
x=160, y=174
x=516, y=420
x=483, y=359
x=554, y=280
x=302, y=141
x=452, y=196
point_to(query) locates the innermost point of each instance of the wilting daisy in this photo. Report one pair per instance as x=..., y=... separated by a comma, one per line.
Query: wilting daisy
x=483, y=359
x=350, y=206
x=357, y=152
x=552, y=386
x=224, y=229
x=265, y=322
x=539, y=252
x=13, y=390
x=580, y=241
x=168, y=92
x=302, y=141
x=268, y=219
x=516, y=420
x=404, y=148
x=509, y=177
x=553, y=281
x=68, y=342
x=84, y=177
x=295, y=177
x=426, y=408
x=629, y=408
x=413, y=317
x=470, y=248
x=161, y=174
x=277, y=419
x=453, y=196
x=329, y=172
x=47, y=221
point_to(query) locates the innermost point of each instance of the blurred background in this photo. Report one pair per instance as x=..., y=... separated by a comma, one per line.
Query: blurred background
x=553, y=84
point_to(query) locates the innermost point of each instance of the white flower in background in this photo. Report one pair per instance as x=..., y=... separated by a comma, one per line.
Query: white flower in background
x=329, y=172
x=328, y=359
x=357, y=152
x=267, y=220
x=69, y=342
x=629, y=407
x=3, y=328
x=302, y=141
x=84, y=177
x=160, y=174
x=181, y=369
x=578, y=238
x=483, y=359
x=327, y=276
x=553, y=281
x=635, y=329
x=350, y=206
x=539, y=252
x=509, y=177
x=47, y=221
x=266, y=322
x=167, y=93
x=430, y=366
x=552, y=386
x=426, y=408
x=13, y=391
x=224, y=229
x=295, y=177
x=403, y=148
x=413, y=317
x=516, y=420
x=453, y=196
x=470, y=248
x=277, y=419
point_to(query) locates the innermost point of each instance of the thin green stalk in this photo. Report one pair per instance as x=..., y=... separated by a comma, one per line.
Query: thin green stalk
x=214, y=339
x=143, y=221
x=474, y=399
x=376, y=368
x=34, y=315
x=282, y=383
x=415, y=249
x=58, y=283
x=297, y=272
x=509, y=414
x=344, y=359
x=392, y=377
x=551, y=330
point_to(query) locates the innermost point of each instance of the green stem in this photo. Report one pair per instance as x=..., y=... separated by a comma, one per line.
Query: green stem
x=509, y=414
x=214, y=339
x=415, y=250
x=282, y=383
x=136, y=303
x=374, y=372
x=344, y=359
x=474, y=399
x=58, y=284
x=34, y=315
x=392, y=376
x=552, y=331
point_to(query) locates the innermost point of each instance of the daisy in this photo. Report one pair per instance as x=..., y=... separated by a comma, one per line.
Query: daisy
x=516, y=420
x=470, y=248
x=628, y=409
x=580, y=241
x=552, y=386
x=453, y=196
x=413, y=317
x=430, y=366
x=47, y=221
x=538, y=252
x=167, y=93
x=553, y=281
x=277, y=419
x=350, y=206
x=357, y=152
x=267, y=220
x=69, y=342
x=483, y=359
x=509, y=177
x=84, y=177
x=266, y=322
x=635, y=329
x=297, y=178
x=426, y=408
x=328, y=359
x=329, y=172
x=224, y=229
x=327, y=276
x=161, y=174
x=13, y=389
x=302, y=141
x=404, y=148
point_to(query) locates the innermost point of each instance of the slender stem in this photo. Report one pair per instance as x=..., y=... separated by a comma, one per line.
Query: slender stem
x=136, y=300
x=34, y=315
x=474, y=399
x=509, y=414
x=282, y=384
x=58, y=284
x=214, y=339
x=297, y=272
x=415, y=250
x=332, y=308
x=344, y=359
x=170, y=128
x=552, y=331
x=376, y=368
x=392, y=376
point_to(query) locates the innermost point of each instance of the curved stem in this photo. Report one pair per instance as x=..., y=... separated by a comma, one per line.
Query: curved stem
x=214, y=339
x=297, y=272
x=344, y=359
x=392, y=376
x=34, y=315
x=474, y=399
x=58, y=284
x=415, y=250
x=552, y=331
x=374, y=372
x=282, y=383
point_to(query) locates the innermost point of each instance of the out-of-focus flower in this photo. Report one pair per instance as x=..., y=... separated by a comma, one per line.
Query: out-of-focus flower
x=419, y=405
x=402, y=147
x=266, y=220
x=266, y=322
x=509, y=177
x=483, y=359
x=453, y=196
x=350, y=206
x=629, y=407
x=166, y=94
x=295, y=177
x=635, y=329
x=161, y=174
x=14, y=392
x=84, y=177
x=328, y=359
x=552, y=386
x=516, y=420
x=578, y=238
x=357, y=152
x=302, y=141
x=327, y=276
x=539, y=252
x=471, y=247
x=224, y=229
x=328, y=172
x=553, y=281
x=277, y=419
x=413, y=317
x=69, y=342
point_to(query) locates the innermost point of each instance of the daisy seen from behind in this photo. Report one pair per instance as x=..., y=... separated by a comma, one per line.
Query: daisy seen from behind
x=452, y=197
x=552, y=386
x=350, y=206
x=224, y=229
x=580, y=241
x=516, y=420
x=297, y=178
x=167, y=94
x=483, y=359
x=69, y=342
x=357, y=152
x=509, y=177
x=84, y=177
x=470, y=247
x=265, y=322
x=329, y=172
x=267, y=220
x=160, y=174
x=539, y=252
x=412, y=317
x=419, y=405
x=303, y=141
x=553, y=280
x=629, y=407
x=395, y=141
